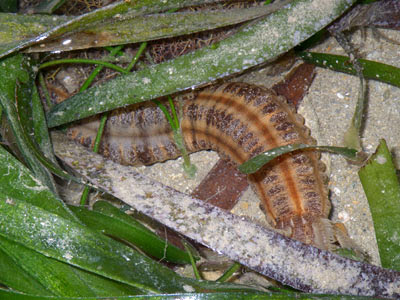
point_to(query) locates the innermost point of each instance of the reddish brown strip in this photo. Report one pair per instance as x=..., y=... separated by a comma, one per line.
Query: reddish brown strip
x=223, y=185
x=296, y=83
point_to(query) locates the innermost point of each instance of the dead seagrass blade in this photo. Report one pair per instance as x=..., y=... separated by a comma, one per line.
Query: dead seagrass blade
x=293, y=263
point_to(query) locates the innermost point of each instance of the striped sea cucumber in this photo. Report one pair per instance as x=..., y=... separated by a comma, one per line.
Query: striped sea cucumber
x=239, y=121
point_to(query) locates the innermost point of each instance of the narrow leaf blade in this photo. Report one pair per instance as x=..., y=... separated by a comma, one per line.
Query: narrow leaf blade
x=55, y=276
x=133, y=233
x=16, y=278
x=257, y=162
x=381, y=186
x=371, y=69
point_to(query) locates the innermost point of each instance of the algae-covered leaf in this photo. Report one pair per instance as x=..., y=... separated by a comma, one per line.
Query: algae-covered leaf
x=381, y=186
x=20, y=31
x=257, y=43
x=134, y=29
x=18, y=182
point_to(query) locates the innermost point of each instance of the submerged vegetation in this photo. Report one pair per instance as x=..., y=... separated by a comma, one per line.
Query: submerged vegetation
x=49, y=249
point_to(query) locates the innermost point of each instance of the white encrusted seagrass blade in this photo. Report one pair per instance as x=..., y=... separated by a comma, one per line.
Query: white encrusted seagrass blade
x=290, y=262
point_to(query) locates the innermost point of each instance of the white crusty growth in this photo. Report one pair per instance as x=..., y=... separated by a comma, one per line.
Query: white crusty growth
x=293, y=263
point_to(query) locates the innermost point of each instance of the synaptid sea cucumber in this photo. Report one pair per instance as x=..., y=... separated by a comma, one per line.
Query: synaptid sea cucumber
x=239, y=121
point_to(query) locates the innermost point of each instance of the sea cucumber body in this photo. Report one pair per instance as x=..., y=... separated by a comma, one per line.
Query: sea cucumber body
x=238, y=121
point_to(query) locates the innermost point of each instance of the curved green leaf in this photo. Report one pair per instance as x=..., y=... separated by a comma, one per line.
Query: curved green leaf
x=255, y=44
x=257, y=162
x=83, y=61
x=10, y=110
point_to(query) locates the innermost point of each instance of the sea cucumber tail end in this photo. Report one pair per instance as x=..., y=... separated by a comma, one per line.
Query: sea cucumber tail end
x=317, y=231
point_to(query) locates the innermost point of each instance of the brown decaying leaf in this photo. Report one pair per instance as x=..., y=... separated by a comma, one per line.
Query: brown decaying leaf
x=296, y=83
x=222, y=186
